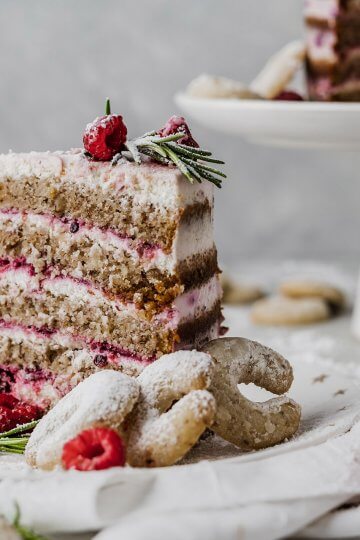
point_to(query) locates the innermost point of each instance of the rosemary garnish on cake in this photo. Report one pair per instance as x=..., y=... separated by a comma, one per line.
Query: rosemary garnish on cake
x=190, y=160
x=105, y=139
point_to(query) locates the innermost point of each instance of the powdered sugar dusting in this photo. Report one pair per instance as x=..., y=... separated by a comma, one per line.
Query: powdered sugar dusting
x=103, y=399
x=175, y=370
x=173, y=410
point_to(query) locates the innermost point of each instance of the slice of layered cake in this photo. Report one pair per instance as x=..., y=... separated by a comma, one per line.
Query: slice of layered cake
x=107, y=257
x=333, y=49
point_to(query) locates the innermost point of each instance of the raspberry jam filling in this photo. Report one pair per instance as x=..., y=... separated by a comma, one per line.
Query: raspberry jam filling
x=115, y=353
x=13, y=375
x=143, y=249
x=14, y=412
x=27, y=384
x=20, y=263
x=7, y=264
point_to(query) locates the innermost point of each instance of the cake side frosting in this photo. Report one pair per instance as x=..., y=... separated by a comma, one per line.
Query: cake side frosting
x=169, y=190
x=44, y=299
x=128, y=288
x=47, y=214
x=333, y=49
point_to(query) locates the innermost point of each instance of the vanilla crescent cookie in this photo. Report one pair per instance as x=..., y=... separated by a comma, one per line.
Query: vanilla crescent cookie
x=102, y=400
x=173, y=410
x=250, y=425
x=208, y=86
x=239, y=293
x=280, y=310
x=279, y=70
x=301, y=288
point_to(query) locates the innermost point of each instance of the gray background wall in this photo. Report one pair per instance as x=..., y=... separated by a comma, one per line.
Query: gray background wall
x=60, y=58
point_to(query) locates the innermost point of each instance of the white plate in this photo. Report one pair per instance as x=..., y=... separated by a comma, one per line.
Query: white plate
x=279, y=123
x=326, y=388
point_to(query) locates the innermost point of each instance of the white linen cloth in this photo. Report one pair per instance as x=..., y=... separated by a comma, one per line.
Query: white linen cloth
x=231, y=499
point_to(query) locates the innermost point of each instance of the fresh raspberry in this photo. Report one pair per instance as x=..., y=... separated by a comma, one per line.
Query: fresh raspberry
x=8, y=400
x=94, y=449
x=25, y=412
x=105, y=136
x=288, y=95
x=14, y=412
x=177, y=124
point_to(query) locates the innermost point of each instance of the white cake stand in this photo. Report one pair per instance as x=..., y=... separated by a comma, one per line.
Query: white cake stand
x=296, y=124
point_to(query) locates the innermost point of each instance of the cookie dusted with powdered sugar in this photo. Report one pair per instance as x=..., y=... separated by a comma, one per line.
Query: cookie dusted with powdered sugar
x=280, y=310
x=208, y=86
x=250, y=425
x=301, y=288
x=173, y=410
x=102, y=400
x=240, y=293
x=279, y=70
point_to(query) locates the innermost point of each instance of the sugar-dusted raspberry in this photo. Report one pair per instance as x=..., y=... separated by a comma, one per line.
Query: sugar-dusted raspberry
x=288, y=95
x=94, y=449
x=105, y=136
x=177, y=124
x=8, y=401
x=25, y=412
x=7, y=404
x=14, y=412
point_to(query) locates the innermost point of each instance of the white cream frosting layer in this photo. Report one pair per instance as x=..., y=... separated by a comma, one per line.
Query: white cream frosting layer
x=321, y=46
x=322, y=10
x=18, y=334
x=191, y=239
x=187, y=306
x=81, y=358
x=193, y=304
x=148, y=183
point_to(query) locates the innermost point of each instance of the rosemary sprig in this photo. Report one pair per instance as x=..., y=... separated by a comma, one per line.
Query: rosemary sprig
x=15, y=440
x=189, y=160
x=24, y=532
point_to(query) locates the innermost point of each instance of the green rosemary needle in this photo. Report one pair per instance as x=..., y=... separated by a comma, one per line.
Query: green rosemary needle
x=189, y=160
x=15, y=440
x=24, y=532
